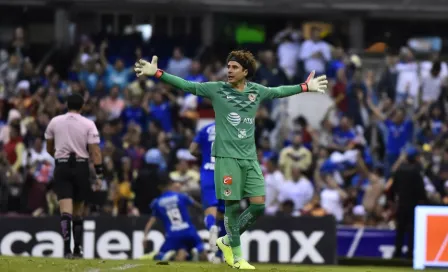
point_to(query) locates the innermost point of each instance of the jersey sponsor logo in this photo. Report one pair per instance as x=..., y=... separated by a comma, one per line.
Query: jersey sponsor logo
x=227, y=192
x=209, y=166
x=227, y=180
x=252, y=97
x=249, y=121
x=234, y=119
x=230, y=97
x=307, y=245
x=120, y=241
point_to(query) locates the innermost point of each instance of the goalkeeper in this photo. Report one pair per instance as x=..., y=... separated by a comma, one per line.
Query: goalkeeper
x=237, y=172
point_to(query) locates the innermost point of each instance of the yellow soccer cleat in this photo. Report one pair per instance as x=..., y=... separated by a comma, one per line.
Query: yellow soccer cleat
x=243, y=265
x=226, y=251
x=149, y=256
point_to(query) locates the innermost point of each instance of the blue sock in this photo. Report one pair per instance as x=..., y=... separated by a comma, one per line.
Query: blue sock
x=222, y=232
x=158, y=257
x=209, y=221
x=222, y=229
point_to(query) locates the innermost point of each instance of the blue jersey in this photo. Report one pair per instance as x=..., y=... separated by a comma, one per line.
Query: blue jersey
x=205, y=139
x=398, y=135
x=172, y=209
x=342, y=137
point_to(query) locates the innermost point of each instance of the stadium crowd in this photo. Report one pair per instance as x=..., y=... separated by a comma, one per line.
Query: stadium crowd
x=341, y=168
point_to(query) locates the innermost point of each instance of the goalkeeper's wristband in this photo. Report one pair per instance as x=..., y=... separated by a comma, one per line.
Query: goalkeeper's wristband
x=99, y=171
x=158, y=74
x=304, y=87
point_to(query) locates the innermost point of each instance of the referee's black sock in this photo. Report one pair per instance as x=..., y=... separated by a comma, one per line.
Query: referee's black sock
x=77, y=234
x=66, y=222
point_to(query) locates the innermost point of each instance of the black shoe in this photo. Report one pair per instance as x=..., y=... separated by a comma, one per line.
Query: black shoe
x=68, y=256
x=78, y=252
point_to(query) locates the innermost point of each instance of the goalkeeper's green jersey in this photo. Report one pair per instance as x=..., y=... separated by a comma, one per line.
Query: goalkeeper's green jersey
x=234, y=112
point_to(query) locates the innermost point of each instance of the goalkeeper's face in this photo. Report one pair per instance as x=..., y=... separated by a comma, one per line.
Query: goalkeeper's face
x=235, y=72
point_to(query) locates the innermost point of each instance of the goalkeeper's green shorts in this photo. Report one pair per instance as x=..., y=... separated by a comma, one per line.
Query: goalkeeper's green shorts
x=237, y=179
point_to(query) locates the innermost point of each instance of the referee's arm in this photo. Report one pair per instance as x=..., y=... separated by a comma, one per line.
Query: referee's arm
x=93, y=141
x=49, y=137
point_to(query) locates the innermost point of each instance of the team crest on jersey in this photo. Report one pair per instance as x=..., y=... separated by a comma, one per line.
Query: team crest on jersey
x=227, y=192
x=252, y=97
x=242, y=133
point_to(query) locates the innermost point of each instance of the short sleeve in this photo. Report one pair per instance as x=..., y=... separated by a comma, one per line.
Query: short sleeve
x=49, y=132
x=187, y=199
x=153, y=207
x=93, y=136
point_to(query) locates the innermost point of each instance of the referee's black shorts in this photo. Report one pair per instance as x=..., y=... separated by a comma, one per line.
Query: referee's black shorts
x=72, y=180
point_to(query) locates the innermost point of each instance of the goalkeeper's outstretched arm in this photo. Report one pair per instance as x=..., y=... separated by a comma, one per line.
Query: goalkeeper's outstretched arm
x=143, y=67
x=312, y=84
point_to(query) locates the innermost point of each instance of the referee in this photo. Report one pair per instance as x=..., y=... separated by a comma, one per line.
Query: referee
x=409, y=190
x=67, y=137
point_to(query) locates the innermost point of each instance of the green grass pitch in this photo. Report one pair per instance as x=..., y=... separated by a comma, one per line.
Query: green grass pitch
x=26, y=264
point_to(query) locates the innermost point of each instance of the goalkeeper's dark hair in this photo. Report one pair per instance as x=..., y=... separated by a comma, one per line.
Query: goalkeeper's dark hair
x=245, y=59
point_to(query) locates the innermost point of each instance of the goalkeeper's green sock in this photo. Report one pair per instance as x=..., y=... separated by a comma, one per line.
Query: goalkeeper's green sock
x=233, y=229
x=250, y=216
x=247, y=218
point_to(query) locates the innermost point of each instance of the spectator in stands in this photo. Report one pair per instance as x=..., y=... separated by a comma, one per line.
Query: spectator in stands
x=339, y=92
x=274, y=180
x=269, y=73
x=117, y=74
x=336, y=64
x=288, y=209
x=314, y=208
x=188, y=178
x=179, y=65
x=332, y=198
x=298, y=188
x=113, y=104
x=135, y=112
x=295, y=156
x=432, y=84
x=315, y=53
x=343, y=134
x=388, y=78
x=426, y=65
x=160, y=107
x=15, y=148
x=408, y=81
x=356, y=95
x=19, y=44
x=9, y=72
x=37, y=153
x=263, y=124
x=29, y=74
x=140, y=86
x=288, y=53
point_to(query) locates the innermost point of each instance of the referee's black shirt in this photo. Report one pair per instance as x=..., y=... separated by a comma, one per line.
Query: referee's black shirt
x=408, y=185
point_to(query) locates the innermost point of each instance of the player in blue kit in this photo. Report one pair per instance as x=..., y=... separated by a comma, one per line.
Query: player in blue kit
x=181, y=237
x=213, y=208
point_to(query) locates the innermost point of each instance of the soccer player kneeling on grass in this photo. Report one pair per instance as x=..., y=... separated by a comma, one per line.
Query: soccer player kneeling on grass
x=181, y=237
x=237, y=172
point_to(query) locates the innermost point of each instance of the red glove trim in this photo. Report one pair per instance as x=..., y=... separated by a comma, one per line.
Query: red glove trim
x=304, y=87
x=158, y=74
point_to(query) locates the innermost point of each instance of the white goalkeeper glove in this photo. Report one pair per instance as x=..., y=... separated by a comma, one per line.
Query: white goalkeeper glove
x=145, y=68
x=318, y=84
